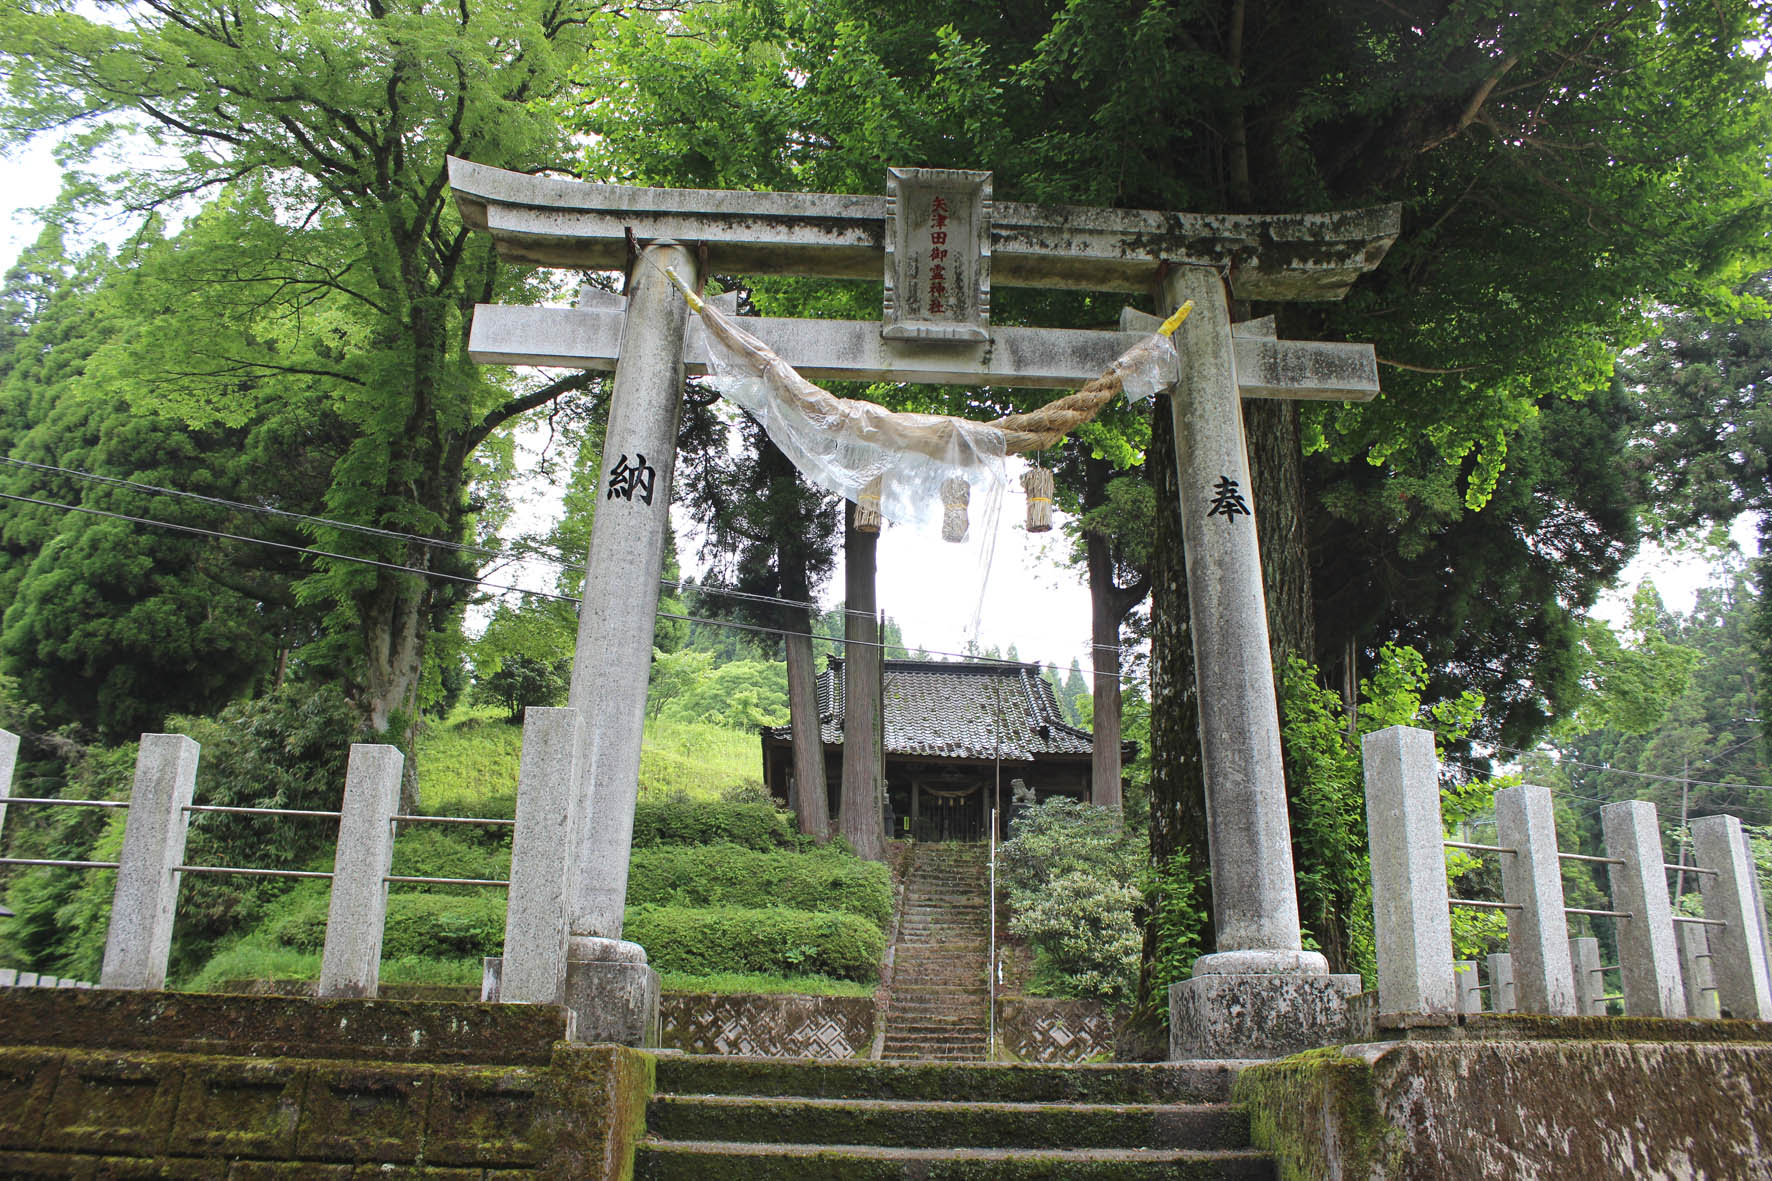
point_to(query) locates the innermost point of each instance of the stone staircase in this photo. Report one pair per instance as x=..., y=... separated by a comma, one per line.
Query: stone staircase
x=940, y=1001
x=868, y=1121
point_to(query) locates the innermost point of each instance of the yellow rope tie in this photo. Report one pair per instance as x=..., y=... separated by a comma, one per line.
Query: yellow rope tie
x=695, y=301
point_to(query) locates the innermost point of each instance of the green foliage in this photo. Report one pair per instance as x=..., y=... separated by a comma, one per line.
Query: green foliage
x=330, y=269
x=1328, y=804
x=285, y=750
x=1177, y=918
x=524, y=657
x=674, y=674
x=729, y=875
x=699, y=760
x=436, y=925
x=110, y=624
x=62, y=915
x=797, y=984
x=679, y=820
x=1070, y=871
x=1630, y=682
x=739, y=695
x=468, y=767
x=774, y=939
x=1707, y=724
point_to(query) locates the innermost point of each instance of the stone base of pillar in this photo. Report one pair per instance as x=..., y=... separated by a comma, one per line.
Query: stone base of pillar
x=492, y=972
x=611, y=993
x=1264, y=1015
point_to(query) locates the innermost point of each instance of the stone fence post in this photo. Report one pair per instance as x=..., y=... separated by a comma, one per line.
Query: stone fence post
x=8, y=760
x=350, y=962
x=1412, y=925
x=534, y=968
x=1466, y=984
x=1738, y=953
x=1695, y=958
x=1648, y=958
x=1532, y=881
x=1590, y=980
x=1502, y=998
x=140, y=936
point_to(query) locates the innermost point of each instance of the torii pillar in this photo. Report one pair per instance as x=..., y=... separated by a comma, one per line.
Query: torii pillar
x=1259, y=994
x=611, y=993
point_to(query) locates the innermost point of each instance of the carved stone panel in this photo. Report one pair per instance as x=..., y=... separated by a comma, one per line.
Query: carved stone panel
x=938, y=255
x=767, y=1026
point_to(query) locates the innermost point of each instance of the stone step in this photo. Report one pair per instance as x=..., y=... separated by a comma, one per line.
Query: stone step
x=950, y=915
x=938, y=1032
x=921, y=1123
x=805, y=1162
x=930, y=1047
x=913, y=1026
x=1158, y=1082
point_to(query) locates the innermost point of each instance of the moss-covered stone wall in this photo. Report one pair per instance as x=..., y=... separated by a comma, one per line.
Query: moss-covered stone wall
x=1574, y=1104
x=314, y=1089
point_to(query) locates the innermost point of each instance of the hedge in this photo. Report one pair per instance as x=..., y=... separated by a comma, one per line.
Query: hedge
x=730, y=939
x=674, y=820
x=438, y=925
x=729, y=875
x=691, y=940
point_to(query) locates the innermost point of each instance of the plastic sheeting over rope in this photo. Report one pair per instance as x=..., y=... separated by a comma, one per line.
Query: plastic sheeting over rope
x=847, y=446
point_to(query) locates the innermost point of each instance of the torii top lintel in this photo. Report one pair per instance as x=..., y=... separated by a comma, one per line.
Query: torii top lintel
x=567, y=223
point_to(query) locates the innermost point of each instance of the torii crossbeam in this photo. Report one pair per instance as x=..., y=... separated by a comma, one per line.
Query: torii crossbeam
x=942, y=243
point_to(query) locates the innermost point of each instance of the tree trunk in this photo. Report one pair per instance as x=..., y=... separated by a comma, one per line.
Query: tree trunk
x=860, y=818
x=1178, y=777
x=394, y=642
x=1104, y=638
x=811, y=805
x=1276, y=470
x=1105, y=614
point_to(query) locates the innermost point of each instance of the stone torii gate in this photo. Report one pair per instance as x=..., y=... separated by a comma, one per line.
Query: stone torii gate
x=941, y=243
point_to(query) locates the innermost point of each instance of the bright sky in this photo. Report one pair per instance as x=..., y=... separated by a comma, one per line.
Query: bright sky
x=930, y=588
x=32, y=181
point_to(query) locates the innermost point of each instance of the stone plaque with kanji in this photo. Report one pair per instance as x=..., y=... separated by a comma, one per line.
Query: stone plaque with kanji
x=938, y=255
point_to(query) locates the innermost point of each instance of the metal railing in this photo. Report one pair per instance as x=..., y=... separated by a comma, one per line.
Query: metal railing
x=1661, y=954
x=991, y=968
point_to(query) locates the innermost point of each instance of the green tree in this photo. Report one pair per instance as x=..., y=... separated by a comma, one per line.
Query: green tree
x=1561, y=167
x=524, y=657
x=771, y=537
x=1704, y=428
x=1678, y=715
x=339, y=260
x=112, y=623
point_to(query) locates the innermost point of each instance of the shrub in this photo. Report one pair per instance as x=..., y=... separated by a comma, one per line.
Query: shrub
x=1084, y=924
x=729, y=939
x=430, y=925
x=679, y=820
x=732, y=875
x=1178, y=919
x=1069, y=870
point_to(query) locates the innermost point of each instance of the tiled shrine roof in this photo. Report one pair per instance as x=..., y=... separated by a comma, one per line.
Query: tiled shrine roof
x=960, y=711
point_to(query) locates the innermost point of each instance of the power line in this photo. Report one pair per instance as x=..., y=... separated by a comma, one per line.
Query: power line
x=199, y=531
x=269, y=510
x=530, y=553
x=1637, y=774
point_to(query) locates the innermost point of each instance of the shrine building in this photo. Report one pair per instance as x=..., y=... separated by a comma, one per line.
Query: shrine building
x=955, y=736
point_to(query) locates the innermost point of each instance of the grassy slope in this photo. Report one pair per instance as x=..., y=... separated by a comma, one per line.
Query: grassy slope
x=468, y=767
